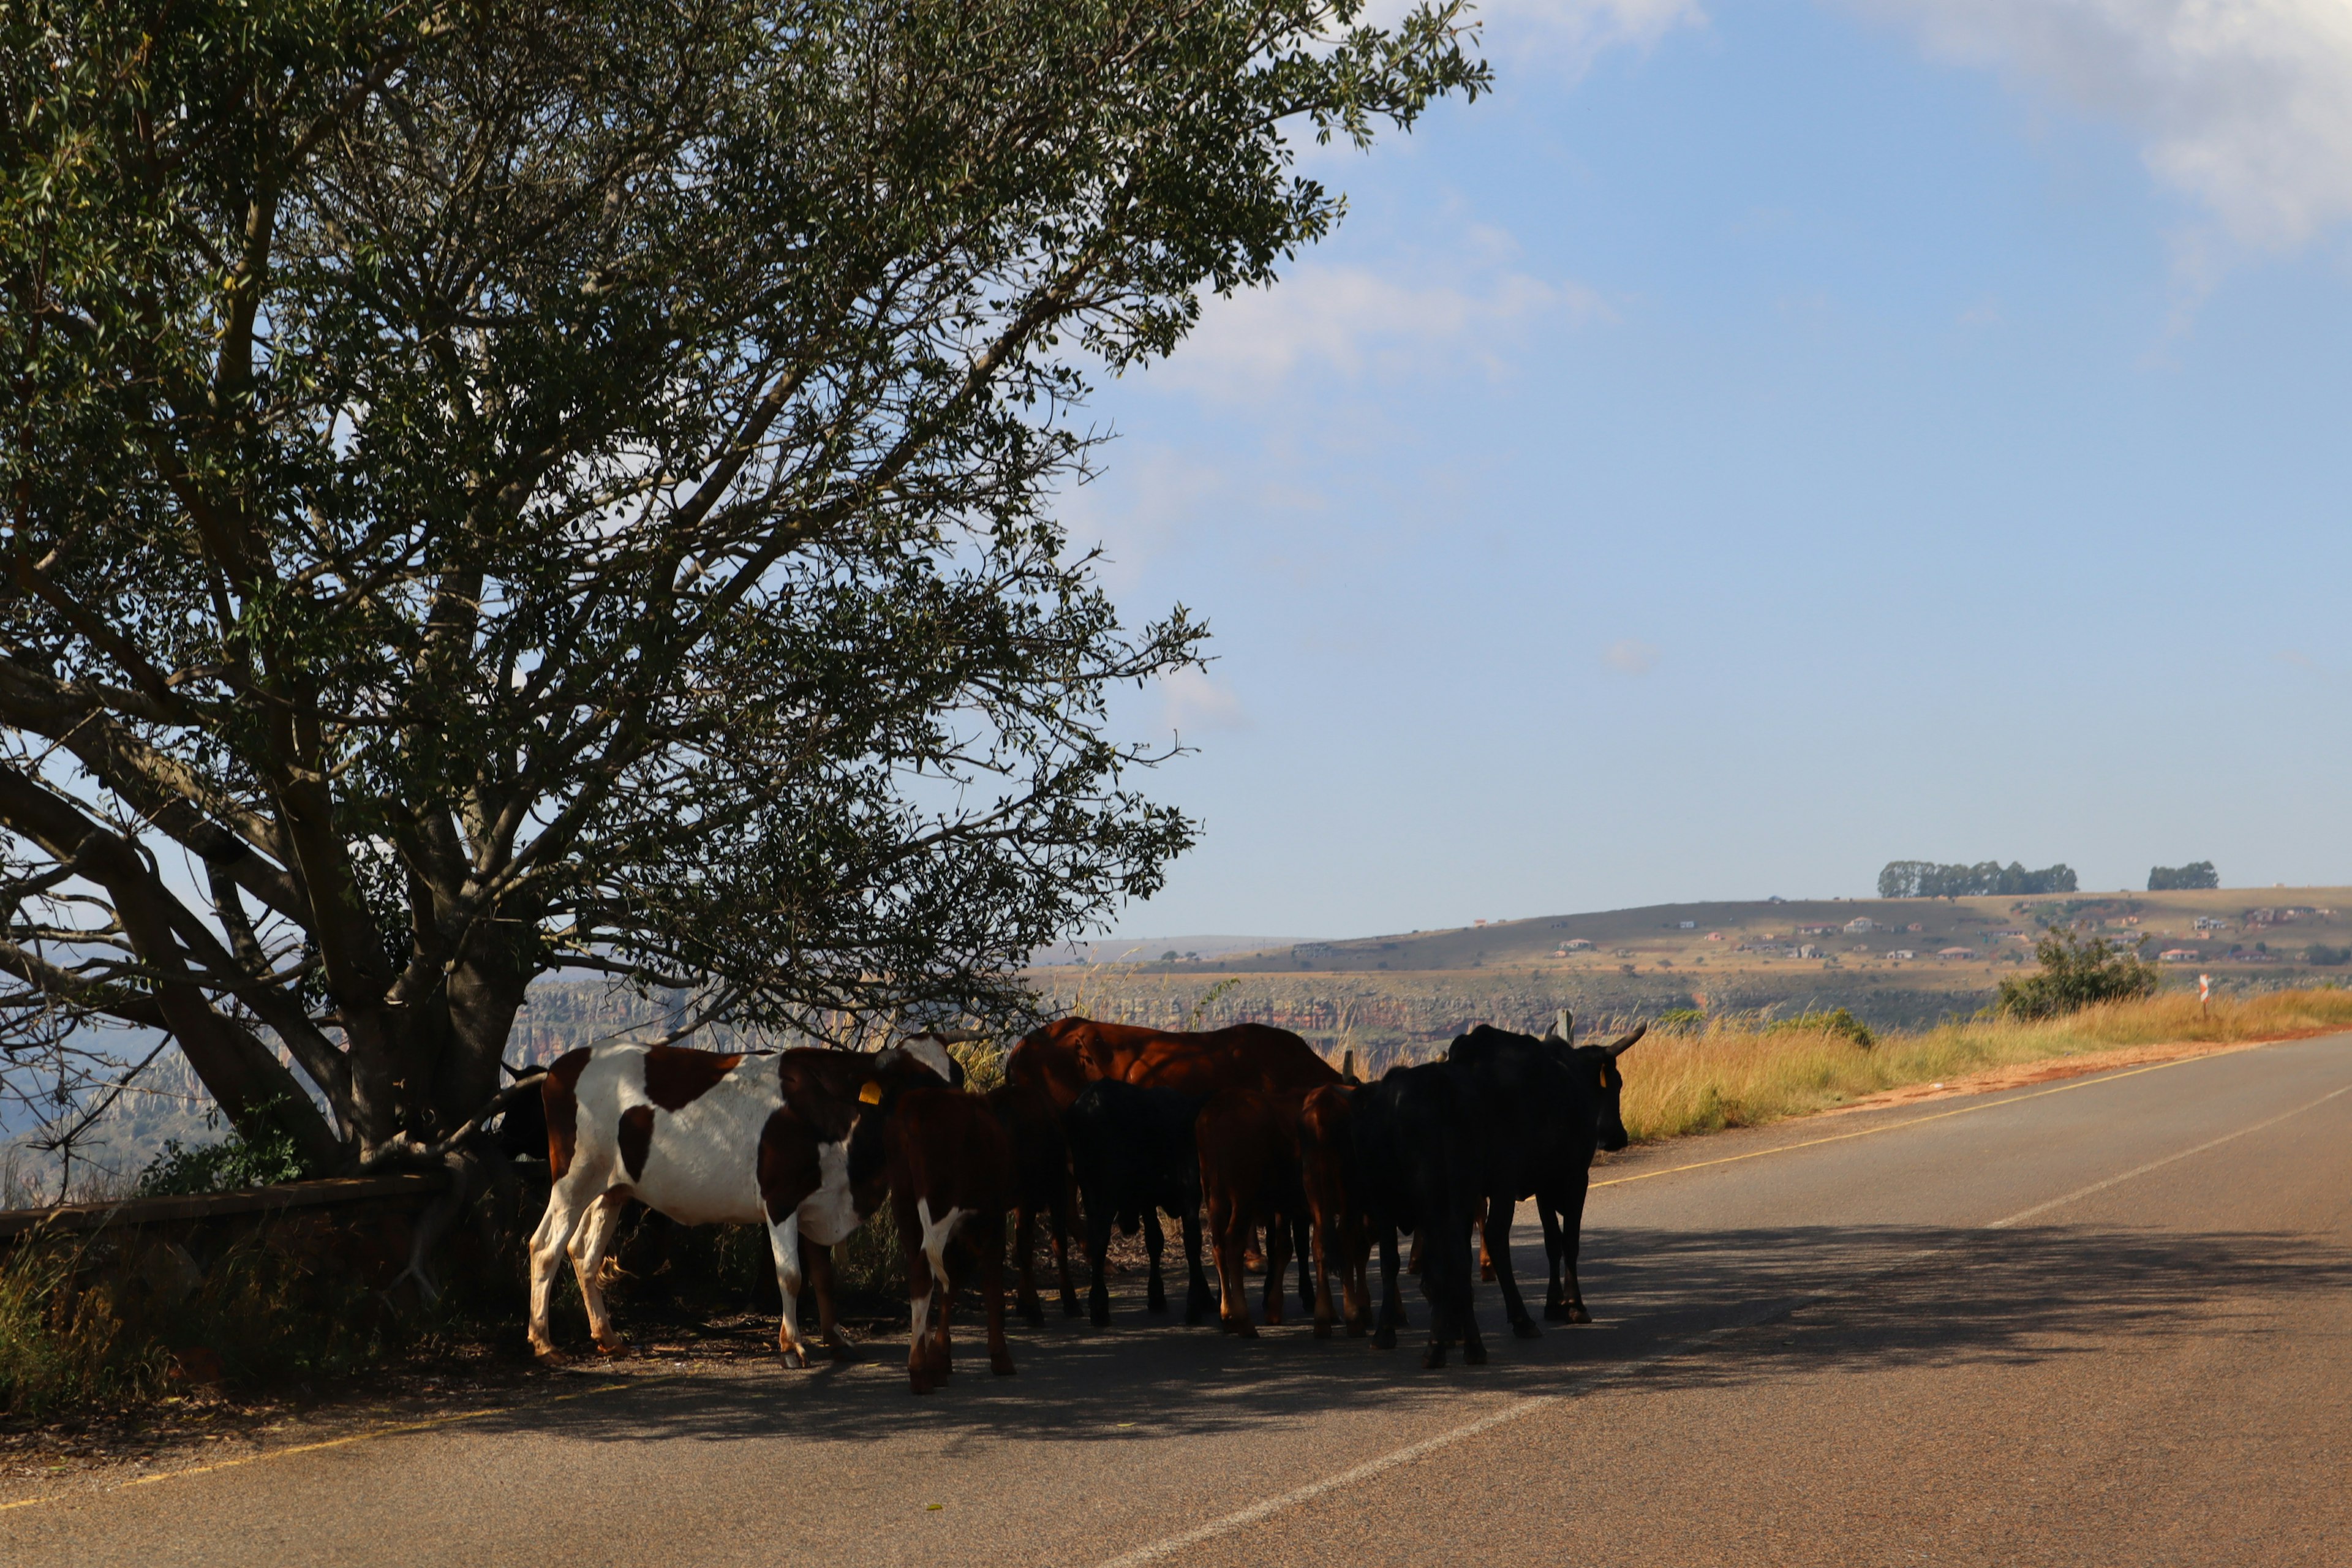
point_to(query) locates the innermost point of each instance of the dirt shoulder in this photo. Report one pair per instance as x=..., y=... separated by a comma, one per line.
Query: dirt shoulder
x=2020, y=1075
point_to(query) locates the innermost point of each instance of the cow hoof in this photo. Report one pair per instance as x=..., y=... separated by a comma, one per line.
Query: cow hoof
x=1035, y=1315
x=1322, y=1328
x=1433, y=1358
x=1100, y=1317
x=1486, y=1275
x=920, y=1384
x=1526, y=1329
x=1474, y=1354
x=1384, y=1338
x=1579, y=1315
x=1069, y=1305
x=1002, y=1365
x=1357, y=1331
x=548, y=1355
x=1155, y=1304
x=1240, y=1326
x=616, y=1348
x=841, y=1352
x=794, y=1361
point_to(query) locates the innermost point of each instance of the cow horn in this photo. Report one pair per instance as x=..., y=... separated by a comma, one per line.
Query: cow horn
x=1620, y=1048
x=1348, y=1067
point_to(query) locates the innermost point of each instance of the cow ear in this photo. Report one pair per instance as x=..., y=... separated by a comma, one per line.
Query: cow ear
x=1622, y=1047
x=872, y=1093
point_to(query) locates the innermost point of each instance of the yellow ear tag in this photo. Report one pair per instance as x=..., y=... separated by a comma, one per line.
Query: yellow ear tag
x=872, y=1093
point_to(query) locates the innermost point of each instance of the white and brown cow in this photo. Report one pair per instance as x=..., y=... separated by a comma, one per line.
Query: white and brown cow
x=789, y=1140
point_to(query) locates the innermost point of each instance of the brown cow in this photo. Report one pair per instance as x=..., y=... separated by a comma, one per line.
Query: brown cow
x=1041, y=1185
x=951, y=1174
x=1240, y=1056
x=1342, y=1240
x=1249, y=1176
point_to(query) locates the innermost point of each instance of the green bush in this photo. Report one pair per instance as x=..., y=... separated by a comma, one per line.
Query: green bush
x=1681, y=1021
x=234, y=1162
x=2077, y=970
x=1836, y=1021
x=2327, y=957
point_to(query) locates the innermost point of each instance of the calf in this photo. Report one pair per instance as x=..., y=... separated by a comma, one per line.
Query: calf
x=1040, y=1186
x=1544, y=1107
x=1249, y=1176
x=1417, y=1168
x=1326, y=1163
x=1134, y=1153
x=950, y=1169
x=789, y=1141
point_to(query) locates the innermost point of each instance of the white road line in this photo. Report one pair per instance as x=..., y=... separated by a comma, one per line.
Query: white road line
x=2023, y=1215
x=1168, y=1546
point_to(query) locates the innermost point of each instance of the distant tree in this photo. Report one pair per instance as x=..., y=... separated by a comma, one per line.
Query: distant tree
x=2077, y=969
x=1927, y=880
x=2181, y=878
x=2327, y=957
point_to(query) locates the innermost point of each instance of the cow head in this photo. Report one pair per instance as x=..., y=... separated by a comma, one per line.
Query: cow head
x=902, y=1065
x=1608, y=1123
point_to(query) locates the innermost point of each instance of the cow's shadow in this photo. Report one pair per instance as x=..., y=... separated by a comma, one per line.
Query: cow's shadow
x=1690, y=1307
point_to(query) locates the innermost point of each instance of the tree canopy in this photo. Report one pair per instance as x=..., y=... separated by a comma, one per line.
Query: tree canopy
x=2181, y=878
x=1926, y=880
x=496, y=488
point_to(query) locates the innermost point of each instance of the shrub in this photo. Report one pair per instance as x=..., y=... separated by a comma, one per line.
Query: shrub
x=234, y=1162
x=2076, y=972
x=1681, y=1020
x=2327, y=957
x=1837, y=1021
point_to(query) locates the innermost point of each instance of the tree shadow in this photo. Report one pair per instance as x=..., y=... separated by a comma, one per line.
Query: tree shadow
x=1800, y=1300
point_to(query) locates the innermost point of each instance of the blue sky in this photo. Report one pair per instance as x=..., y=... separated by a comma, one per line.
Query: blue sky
x=1761, y=442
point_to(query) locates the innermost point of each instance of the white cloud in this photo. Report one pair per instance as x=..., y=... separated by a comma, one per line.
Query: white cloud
x=1194, y=702
x=1581, y=29
x=1350, y=318
x=2245, y=104
x=1631, y=656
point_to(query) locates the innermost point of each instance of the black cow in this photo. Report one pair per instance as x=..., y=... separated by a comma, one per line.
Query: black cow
x=1417, y=1168
x=1134, y=1153
x=1544, y=1106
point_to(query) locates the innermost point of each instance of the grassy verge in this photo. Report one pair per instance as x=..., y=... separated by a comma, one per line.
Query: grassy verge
x=1731, y=1072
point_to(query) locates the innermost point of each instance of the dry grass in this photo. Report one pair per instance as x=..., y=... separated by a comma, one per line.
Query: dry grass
x=1734, y=1073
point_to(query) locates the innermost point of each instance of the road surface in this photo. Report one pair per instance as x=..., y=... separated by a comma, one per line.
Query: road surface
x=2105, y=1320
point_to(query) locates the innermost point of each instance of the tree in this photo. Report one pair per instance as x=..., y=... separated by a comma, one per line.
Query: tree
x=2077, y=970
x=2176, y=879
x=490, y=487
x=1926, y=880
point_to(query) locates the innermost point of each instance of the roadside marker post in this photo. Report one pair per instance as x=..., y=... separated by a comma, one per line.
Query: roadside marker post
x=2204, y=994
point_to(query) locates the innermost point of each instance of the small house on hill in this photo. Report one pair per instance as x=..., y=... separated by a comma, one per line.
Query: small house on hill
x=1861, y=923
x=1956, y=952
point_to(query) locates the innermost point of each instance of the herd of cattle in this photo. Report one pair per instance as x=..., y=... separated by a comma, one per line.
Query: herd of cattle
x=1247, y=1124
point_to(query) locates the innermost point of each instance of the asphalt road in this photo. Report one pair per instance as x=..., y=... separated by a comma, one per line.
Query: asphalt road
x=2107, y=1320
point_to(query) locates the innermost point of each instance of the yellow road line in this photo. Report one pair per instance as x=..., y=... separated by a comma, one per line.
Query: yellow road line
x=2084, y=1082
x=372, y=1432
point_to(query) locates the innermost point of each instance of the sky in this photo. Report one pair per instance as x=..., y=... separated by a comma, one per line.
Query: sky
x=1761, y=441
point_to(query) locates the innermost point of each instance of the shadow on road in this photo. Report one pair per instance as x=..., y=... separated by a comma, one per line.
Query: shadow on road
x=1831, y=1300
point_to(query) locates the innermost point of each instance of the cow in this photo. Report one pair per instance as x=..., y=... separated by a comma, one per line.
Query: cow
x=949, y=1164
x=786, y=1140
x=1544, y=1106
x=1135, y=1154
x=1197, y=1062
x=1327, y=1175
x=1417, y=1167
x=1040, y=1186
x=1249, y=1176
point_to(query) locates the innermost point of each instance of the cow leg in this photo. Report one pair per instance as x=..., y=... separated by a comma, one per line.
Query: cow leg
x=1325, y=1245
x=1496, y=1241
x=1097, y=1249
x=1302, y=1238
x=1355, y=1249
x=1384, y=1334
x=937, y=1233
x=921, y=1377
x=1064, y=1206
x=1024, y=1266
x=1229, y=1233
x=1485, y=1247
x=816, y=1264
x=1413, y=1263
x=549, y=1243
x=1198, y=1298
x=988, y=1235
x=785, y=1244
x=1571, y=1236
x=1555, y=1298
x=1155, y=1242
x=1277, y=1261
x=590, y=1245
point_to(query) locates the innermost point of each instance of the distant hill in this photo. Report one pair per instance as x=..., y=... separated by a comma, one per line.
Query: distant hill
x=1143, y=948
